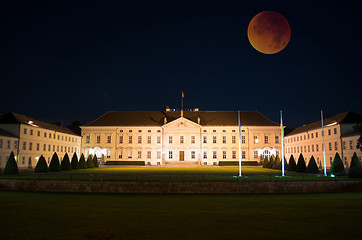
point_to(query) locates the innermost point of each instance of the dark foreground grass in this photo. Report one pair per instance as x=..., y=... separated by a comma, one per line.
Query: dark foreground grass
x=93, y=216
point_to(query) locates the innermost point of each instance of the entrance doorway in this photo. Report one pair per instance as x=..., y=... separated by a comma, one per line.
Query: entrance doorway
x=182, y=155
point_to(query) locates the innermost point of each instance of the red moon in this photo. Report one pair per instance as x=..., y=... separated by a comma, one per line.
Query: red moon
x=269, y=32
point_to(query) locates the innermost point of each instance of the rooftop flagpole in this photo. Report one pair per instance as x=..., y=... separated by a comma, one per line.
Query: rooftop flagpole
x=182, y=100
x=239, y=145
x=324, y=148
x=282, y=137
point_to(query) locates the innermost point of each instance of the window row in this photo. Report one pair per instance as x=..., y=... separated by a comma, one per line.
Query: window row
x=205, y=139
x=50, y=135
x=48, y=147
x=310, y=136
x=7, y=144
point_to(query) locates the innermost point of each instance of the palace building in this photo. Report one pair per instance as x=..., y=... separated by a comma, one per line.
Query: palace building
x=29, y=139
x=339, y=136
x=162, y=137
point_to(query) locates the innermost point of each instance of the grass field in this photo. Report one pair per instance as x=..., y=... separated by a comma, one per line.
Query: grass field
x=92, y=216
x=173, y=174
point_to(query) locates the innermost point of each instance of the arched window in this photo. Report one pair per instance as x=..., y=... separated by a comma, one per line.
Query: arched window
x=266, y=153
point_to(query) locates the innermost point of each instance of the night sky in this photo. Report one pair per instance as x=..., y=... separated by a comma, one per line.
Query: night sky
x=77, y=60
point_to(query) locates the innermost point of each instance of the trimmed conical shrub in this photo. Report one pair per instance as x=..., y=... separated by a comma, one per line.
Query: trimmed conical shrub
x=11, y=166
x=65, y=165
x=301, y=167
x=355, y=169
x=82, y=164
x=292, y=166
x=312, y=166
x=337, y=168
x=271, y=162
x=54, y=165
x=41, y=166
x=95, y=161
x=276, y=162
x=90, y=162
x=74, y=163
x=265, y=163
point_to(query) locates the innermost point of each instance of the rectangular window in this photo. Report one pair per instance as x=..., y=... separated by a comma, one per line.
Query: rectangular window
x=214, y=154
x=16, y=144
x=109, y=139
x=31, y=131
x=24, y=145
x=149, y=139
x=311, y=135
x=45, y=134
x=87, y=139
x=277, y=139
x=158, y=156
x=308, y=148
x=170, y=154
x=350, y=145
x=317, y=148
x=344, y=145
x=98, y=139
x=139, y=139
x=330, y=146
x=266, y=139
x=205, y=154
x=148, y=154
x=233, y=139
x=335, y=146
x=53, y=148
x=61, y=148
x=38, y=133
x=50, y=135
x=139, y=154
x=192, y=139
x=243, y=154
x=335, y=130
x=234, y=154
x=192, y=154
x=243, y=139
x=129, y=139
x=8, y=144
x=213, y=139
x=305, y=149
x=30, y=146
x=49, y=147
x=37, y=146
x=255, y=153
x=316, y=134
x=312, y=148
x=158, y=139
x=25, y=131
x=181, y=139
x=205, y=139
x=223, y=139
x=329, y=131
x=58, y=148
x=224, y=154
x=120, y=139
x=170, y=140
x=255, y=139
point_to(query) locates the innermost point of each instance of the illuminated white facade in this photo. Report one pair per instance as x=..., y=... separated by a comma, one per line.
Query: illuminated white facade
x=339, y=136
x=200, y=137
x=32, y=138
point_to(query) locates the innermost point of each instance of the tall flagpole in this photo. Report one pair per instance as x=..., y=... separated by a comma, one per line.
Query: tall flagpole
x=324, y=148
x=239, y=145
x=182, y=100
x=282, y=136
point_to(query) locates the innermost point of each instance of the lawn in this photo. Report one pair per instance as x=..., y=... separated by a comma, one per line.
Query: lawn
x=93, y=216
x=173, y=174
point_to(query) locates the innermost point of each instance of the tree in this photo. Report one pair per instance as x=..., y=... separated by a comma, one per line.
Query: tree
x=271, y=162
x=276, y=162
x=11, y=166
x=337, y=168
x=355, y=169
x=265, y=163
x=95, y=161
x=54, y=165
x=301, y=167
x=82, y=164
x=90, y=162
x=41, y=166
x=74, y=163
x=312, y=166
x=292, y=166
x=65, y=165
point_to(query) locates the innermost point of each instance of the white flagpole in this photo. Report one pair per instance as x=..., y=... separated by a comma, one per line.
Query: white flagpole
x=239, y=145
x=324, y=148
x=282, y=137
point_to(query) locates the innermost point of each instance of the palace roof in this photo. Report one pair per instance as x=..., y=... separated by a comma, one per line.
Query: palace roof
x=156, y=118
x=6, y=133
x=342, y=118
x=15, y=118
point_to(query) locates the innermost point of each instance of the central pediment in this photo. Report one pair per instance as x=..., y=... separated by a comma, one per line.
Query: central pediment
x=181, y=123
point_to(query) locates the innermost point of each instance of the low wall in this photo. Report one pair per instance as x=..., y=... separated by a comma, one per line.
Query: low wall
x=180, y=187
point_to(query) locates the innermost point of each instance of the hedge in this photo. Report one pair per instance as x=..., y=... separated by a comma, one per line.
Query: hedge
x=95, y=161
x=65, y=165
x=54, y=165
x=236, y=163
x=90, y=161
x=312, y=166
x=41, y=166
x=74, y=163
x=355, y=169
x=337, y=167
x=292, y=166
x=301, y=167
x=82, y=164
x=138, y=163
x=11, y=166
